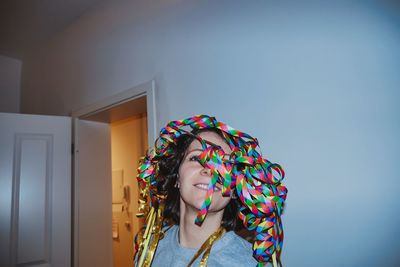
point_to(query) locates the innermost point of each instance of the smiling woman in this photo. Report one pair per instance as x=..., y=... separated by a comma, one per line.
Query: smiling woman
x=194, y=178
x=205, y=184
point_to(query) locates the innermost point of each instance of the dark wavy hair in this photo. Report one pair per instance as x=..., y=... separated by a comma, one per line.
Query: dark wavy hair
x=168, y=169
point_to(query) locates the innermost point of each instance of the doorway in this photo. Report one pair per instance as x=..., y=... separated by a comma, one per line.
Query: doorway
x=128, y=144
x=105, y=228
x=128, y=123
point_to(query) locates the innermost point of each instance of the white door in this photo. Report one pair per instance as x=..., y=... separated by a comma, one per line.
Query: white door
x=35, y=190
x=93, y=210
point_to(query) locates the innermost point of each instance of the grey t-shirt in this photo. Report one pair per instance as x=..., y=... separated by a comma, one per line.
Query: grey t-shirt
x=229, y=250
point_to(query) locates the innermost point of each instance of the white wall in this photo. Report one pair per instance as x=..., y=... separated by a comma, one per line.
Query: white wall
x=10, y=80
x=316, y=81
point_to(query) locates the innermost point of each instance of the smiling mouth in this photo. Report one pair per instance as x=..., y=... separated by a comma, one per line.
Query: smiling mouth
x=205, y=187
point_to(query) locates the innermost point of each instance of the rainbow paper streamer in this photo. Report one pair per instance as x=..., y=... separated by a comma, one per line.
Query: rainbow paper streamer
x=256, y=180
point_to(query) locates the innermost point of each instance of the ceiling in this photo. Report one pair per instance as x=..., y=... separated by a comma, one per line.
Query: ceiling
x=26, y=23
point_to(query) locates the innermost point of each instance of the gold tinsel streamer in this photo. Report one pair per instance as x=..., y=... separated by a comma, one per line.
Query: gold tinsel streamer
x=153, y=232
x=206, y=247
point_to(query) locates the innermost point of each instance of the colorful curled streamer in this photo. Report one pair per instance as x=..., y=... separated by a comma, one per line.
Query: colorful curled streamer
x=256, y=180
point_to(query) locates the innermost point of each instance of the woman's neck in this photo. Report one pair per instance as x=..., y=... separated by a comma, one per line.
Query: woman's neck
x=190, y=234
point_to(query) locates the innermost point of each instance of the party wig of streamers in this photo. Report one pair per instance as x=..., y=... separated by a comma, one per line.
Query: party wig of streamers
x=256, y=180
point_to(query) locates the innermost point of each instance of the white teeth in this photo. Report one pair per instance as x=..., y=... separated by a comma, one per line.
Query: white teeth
x=202, y=186
x=205, y=187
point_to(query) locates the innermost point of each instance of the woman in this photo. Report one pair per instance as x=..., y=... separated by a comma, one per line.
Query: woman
x=201, y=182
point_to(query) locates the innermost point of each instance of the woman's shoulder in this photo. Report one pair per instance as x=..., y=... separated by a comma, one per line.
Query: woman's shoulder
x=234, y=251
x=169, y=235
x=233, y=238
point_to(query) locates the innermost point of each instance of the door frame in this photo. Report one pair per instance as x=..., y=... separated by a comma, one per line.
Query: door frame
x=146, y=89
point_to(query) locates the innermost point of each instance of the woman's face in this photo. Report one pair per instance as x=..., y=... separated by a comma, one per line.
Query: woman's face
x=194, y=179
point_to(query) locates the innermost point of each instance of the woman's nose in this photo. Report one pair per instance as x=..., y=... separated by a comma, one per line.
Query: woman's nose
x=206, y=171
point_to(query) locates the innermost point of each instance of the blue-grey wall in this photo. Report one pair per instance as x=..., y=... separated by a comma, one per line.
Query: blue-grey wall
x=316, y=81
